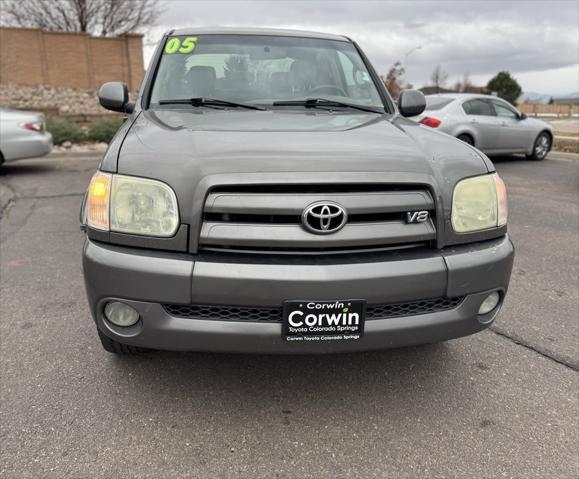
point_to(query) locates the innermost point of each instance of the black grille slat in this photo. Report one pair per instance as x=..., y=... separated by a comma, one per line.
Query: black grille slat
x=296, y=219
x=320, y=251
x=274, y=315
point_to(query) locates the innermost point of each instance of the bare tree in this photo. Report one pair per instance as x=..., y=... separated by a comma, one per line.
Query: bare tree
x=393, y=80
x=465, y=85
x=98, y=17
x=438, y=78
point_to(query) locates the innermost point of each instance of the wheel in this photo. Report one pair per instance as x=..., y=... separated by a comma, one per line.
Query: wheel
x=115, y=347
x=467, y=139
x=541, y=147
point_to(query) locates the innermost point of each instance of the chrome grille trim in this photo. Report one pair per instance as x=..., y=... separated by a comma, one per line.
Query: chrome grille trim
x=294, y=204
x=294, y=236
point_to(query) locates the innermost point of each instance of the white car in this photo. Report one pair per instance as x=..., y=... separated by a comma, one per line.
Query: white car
x=489, y=123
x=23, y=135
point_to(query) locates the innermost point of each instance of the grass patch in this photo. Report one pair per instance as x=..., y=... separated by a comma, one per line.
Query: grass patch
x=64, y=130
x=102, y=131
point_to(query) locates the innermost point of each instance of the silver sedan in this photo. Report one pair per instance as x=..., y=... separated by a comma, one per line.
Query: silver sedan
x=489, y=123
x=23, y=135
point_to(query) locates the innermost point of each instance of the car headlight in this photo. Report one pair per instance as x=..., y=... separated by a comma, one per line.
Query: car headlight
x=479, y=203
x=128, y=204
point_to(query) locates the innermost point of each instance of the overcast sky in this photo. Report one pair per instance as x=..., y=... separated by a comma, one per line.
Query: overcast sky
x=537, y=41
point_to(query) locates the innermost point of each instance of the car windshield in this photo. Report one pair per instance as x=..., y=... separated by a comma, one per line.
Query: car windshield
x=261, y=70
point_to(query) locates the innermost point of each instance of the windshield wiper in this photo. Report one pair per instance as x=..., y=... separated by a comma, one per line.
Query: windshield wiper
x=202, y=101
x=323, y=102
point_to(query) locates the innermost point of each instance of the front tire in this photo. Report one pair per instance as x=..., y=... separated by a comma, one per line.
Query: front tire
x=115, y=347
x=541, y=147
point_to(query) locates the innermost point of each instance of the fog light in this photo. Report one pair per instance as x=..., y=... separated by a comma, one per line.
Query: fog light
x=489, y=303
x=121, y=314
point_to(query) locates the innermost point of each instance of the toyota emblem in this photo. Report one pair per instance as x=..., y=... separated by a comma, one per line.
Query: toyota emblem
x=324, y=217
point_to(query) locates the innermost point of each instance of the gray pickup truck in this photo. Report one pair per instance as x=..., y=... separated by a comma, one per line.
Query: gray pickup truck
x=266, y=195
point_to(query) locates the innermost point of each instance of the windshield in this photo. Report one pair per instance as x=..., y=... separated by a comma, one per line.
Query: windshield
x=261, y=70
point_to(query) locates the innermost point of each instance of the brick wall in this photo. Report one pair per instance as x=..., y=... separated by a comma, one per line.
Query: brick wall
x=76, y=60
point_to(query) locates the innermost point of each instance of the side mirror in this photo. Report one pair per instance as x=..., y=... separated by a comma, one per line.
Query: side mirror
x=522, y=116
x=411, y=103
x=114, y=96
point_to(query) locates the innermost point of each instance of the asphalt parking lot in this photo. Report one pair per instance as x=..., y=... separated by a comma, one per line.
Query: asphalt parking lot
x=503, y=403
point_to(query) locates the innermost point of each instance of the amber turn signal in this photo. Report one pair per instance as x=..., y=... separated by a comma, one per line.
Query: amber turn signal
x=99, y=193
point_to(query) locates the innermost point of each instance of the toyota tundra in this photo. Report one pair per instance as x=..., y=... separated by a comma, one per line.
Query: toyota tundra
x=265, y=194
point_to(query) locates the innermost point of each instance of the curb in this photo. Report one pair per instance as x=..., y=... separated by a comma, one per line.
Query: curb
x=76, y=154
x=563, y=156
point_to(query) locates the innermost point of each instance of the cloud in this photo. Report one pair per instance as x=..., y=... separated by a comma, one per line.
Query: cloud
x=481, y=38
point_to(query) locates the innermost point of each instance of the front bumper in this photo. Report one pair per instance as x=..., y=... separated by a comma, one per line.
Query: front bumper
x=147, y=279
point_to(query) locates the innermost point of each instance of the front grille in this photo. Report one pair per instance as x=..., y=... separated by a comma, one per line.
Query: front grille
x=426, y=306
x=274, y=315
x=267, y=218
x=223, y=313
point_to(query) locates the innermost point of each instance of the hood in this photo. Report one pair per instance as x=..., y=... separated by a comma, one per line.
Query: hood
x=206, y=142
x=195, y=149
x=217, y=141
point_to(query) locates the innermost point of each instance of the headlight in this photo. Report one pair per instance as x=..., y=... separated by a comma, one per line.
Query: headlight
x=143, y=207
x=127, y=204
x=479, y=203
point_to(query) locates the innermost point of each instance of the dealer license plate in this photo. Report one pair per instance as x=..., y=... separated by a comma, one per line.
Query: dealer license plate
x=311, y=321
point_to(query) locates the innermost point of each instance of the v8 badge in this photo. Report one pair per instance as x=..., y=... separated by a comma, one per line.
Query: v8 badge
x=416, y=216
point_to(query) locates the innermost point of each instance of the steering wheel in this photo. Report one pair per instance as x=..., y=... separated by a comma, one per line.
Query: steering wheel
x=327, y=89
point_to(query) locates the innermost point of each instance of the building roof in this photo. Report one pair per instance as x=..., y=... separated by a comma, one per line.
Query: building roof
x=570, y=100
x=257, y=31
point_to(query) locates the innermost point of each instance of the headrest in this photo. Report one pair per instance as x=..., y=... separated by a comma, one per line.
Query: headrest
x=201, y=73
